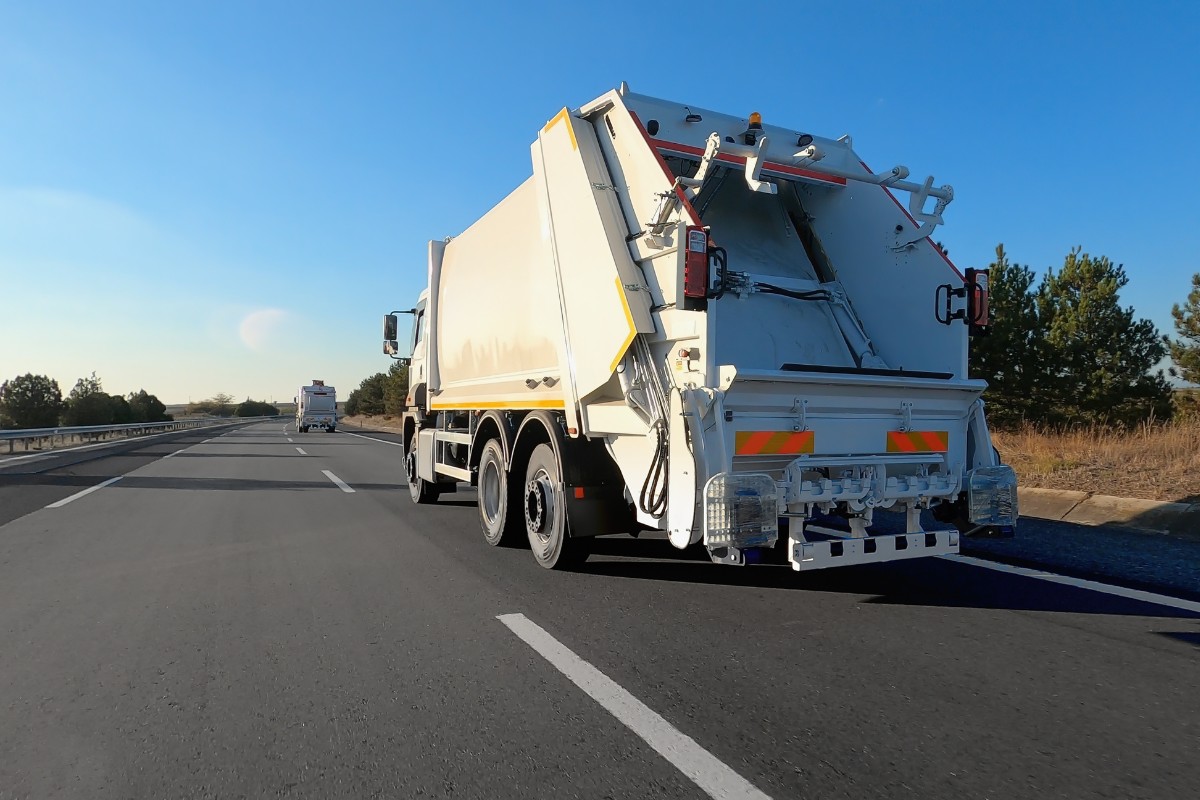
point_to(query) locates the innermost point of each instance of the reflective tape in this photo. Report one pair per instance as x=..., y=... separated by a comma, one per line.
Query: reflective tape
x=918, y=441
x=770, y=443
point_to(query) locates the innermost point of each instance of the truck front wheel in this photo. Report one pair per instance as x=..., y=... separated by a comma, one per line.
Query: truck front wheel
x=546, y=514
x=499, y=516
x=421, y=490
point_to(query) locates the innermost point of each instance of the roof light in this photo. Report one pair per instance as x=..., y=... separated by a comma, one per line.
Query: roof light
x=755, y=121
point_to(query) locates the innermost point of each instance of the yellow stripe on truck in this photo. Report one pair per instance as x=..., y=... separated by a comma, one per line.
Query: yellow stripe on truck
x=512, y=405
x=562, y=116
x=629, y=323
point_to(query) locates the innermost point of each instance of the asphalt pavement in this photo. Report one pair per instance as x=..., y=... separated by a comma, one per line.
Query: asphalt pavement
x=267, y=614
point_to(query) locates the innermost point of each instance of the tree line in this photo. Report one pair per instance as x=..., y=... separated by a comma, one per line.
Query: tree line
x=221, y=405
x=36, y=401
x=382, y=393
x=1063, y=351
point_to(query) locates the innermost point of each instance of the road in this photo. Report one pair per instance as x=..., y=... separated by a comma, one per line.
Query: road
x=256, y=617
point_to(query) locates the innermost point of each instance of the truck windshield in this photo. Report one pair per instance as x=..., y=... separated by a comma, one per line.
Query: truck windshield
x=321, y=402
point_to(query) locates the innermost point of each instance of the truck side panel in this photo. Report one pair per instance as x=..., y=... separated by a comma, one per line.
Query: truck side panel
x=604, y=301
x=503, y=327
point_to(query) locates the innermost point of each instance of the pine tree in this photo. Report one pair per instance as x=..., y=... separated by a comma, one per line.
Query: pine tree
x=1008, y=358
x=1098, y=357
x=1185, y=351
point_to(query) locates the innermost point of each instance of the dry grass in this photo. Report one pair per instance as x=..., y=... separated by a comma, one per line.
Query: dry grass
x=1152, y=462
x=384, y=422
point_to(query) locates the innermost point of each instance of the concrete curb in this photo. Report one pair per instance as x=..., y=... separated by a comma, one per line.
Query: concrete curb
x=1087, y=508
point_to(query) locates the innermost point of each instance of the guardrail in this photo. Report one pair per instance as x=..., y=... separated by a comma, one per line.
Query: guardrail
x=43, y=438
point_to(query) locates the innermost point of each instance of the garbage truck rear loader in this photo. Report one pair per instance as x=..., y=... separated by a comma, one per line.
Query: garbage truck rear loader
x=316, y=407
x=700, y=324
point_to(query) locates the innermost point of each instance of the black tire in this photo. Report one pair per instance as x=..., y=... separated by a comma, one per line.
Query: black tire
x=545, y=512
x=499, y=511
x=421, y=490
x=330, y=430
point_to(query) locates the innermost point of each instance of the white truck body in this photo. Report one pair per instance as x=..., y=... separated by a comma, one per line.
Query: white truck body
x=791, y=367
x=316, y=407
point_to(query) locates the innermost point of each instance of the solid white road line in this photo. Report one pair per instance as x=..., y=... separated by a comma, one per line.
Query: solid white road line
x=1080, y=583
x=84, y=493
x=341, y=484
x=373, y=439
x=708, y=772
x=301, y=451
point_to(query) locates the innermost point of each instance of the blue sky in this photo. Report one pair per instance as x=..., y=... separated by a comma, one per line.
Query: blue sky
x=201, y=197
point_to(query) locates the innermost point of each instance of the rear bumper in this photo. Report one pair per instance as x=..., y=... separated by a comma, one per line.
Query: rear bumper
x=844, y=552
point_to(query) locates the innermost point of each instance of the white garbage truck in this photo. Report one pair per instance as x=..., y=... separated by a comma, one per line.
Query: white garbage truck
x=316, y=407
x=712, y=327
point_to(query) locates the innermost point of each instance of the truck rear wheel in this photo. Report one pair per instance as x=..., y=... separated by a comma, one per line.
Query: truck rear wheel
x=546, y=514
x=421, y=490
x=499, y=516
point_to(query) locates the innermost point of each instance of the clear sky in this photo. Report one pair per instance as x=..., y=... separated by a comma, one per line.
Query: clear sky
x=220, y=196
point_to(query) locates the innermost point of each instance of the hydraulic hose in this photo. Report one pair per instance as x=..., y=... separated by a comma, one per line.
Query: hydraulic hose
x=653, y=498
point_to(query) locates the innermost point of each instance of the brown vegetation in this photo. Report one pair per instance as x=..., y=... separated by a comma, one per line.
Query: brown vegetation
x=1152, y=461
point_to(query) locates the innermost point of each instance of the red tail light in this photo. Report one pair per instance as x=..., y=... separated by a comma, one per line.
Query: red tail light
x=695, y=265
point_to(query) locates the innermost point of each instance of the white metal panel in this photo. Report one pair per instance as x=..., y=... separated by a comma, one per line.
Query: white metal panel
x=602, y=307
x=496, y=324
x=765, y=331
x=892, y=292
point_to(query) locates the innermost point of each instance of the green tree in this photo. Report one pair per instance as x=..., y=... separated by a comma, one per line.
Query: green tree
x=395, y=389
x=1098, y=357
x=1009, y=357
x=1185, y=351
x=222, y=405
x=370, y=394
x=219, y=405
x=122, y=413
x=255, y=408
x=30, y=401
x=352, y=402
x=87, y=404
x=147, y=408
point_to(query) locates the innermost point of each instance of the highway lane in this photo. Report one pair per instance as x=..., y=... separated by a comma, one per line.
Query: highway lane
x=29, y=481
x=230, y=622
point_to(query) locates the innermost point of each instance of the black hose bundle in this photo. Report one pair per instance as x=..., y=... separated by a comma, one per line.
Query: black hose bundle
x=653, y=499
x=818, y=294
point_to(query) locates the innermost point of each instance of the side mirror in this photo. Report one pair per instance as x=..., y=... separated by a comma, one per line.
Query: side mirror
x=391, y=345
